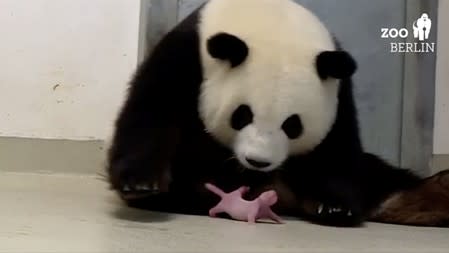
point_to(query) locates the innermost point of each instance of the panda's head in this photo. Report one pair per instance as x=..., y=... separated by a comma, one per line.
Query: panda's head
x=269, y=95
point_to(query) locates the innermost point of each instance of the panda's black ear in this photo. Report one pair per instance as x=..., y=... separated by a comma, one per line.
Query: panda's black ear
x=335, y=64
x=228, y=47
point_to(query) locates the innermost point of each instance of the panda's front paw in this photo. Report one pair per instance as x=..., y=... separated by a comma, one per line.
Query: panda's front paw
x=333, y=210
x=337, y=215
x=134, y=182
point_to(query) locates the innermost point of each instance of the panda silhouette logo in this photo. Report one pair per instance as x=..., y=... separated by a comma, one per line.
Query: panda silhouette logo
x=422, y=27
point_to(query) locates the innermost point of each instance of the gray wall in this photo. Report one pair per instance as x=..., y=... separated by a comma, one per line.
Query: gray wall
x=391, y=119
x=378, y=83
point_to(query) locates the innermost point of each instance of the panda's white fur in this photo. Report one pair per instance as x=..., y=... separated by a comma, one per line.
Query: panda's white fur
x=278, y=79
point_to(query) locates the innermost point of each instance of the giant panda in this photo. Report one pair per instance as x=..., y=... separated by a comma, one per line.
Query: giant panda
x=255, y=93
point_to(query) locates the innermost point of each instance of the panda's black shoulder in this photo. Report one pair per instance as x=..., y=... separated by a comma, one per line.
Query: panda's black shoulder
x=172, y=69
x=180, y=45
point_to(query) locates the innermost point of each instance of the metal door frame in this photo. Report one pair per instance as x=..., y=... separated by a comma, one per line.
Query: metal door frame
x=418, y=95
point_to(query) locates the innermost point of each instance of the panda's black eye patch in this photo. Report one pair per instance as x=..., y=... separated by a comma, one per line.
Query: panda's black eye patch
x=336, y=64
x=228, y=47
x=293, y=127
x=241, y=117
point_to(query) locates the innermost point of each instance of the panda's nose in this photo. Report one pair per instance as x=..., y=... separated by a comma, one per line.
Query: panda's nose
x=257, y=163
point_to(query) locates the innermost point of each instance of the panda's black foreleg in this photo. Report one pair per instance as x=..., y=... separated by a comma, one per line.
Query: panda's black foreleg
x=141, y=168
x=181, y=199
x=349, y=196
x=335, y=215
x=146, y=136
x=333, y=211
x=161, y=101
x=332, y=200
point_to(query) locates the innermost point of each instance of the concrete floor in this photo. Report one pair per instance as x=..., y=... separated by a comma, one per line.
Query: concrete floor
x=51, y=213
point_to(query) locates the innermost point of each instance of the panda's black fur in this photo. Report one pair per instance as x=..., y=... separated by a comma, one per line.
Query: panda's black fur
x=160, y=138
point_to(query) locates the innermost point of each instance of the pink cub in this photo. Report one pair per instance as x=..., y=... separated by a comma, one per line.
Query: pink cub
x=243, y=210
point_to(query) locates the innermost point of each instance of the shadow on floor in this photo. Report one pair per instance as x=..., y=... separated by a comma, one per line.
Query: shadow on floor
x=136, y=215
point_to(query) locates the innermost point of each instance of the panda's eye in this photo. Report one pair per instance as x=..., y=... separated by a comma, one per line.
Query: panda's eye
x=242, y=117
x=293, y=127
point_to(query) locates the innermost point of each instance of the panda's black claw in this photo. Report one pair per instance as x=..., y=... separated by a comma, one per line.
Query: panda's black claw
x=134, y=182
x=336, y=215
x=326, y=209
x=335, y=210
x=139, y=191
x=132, y=190
x=126, y=188
x=143, y=187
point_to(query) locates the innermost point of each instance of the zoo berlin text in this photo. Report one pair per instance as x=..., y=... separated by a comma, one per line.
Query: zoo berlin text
x=421, y=31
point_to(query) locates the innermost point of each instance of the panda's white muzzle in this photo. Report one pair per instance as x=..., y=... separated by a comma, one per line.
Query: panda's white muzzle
x=261, y=149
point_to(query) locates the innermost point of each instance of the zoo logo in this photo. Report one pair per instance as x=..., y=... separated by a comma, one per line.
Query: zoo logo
x=421, y=31
x=421, y=27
